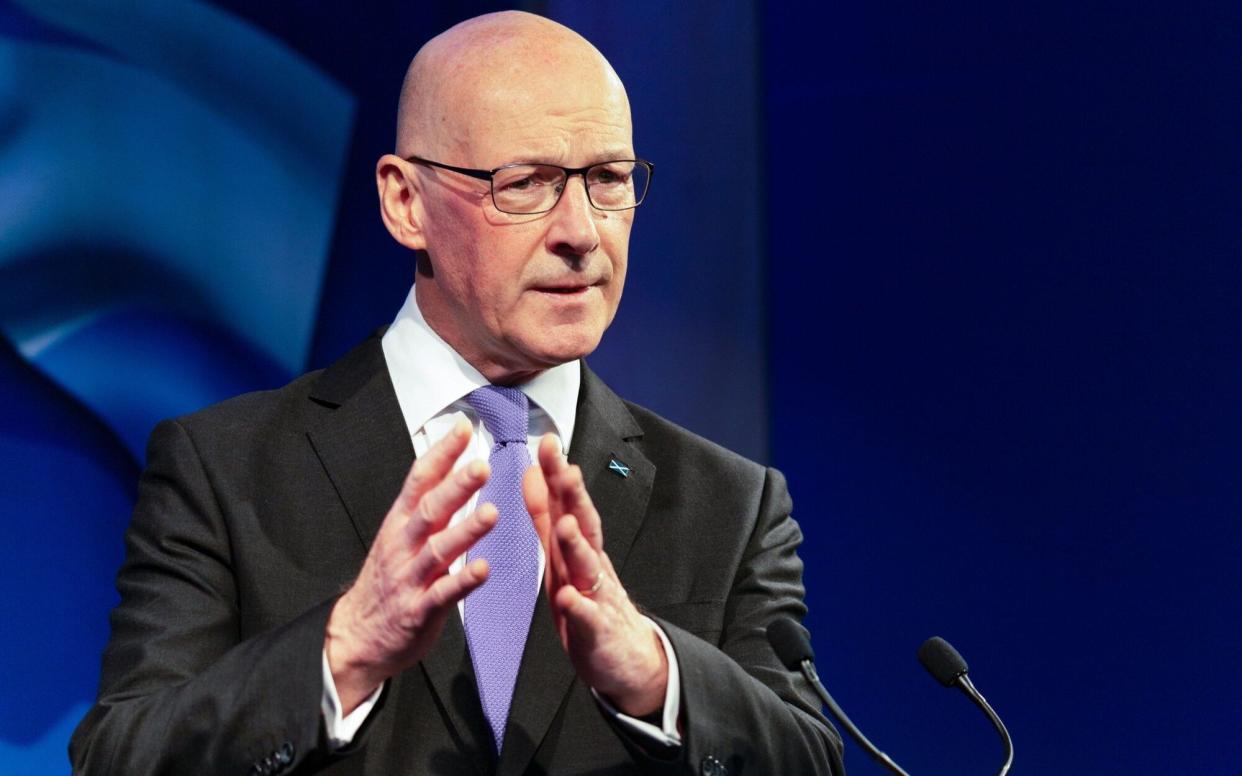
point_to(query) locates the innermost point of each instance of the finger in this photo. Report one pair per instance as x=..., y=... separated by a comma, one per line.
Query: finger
x=584, y=619
x=575, y=500
x=609, y=571
x=555, y=563
x=443, y=547
x=448, y=590
x=550, y=457
x=440, y=503
x=551, y=462
x=611, y=574
x=433, y=466
x=582, y=562
x=567, y=490
x=535, y=493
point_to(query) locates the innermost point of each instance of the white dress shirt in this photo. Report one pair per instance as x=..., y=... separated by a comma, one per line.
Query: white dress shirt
x=431, y=381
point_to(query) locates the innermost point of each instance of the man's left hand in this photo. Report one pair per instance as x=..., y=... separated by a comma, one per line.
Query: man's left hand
x=613, y=648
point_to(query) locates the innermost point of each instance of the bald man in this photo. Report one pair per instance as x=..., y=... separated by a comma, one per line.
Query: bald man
x=456, y=550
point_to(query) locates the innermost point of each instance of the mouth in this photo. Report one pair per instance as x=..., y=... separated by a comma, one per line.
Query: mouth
x=567, y=289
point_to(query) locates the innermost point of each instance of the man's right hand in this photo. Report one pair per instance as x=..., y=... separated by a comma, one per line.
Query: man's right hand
x=394, y=612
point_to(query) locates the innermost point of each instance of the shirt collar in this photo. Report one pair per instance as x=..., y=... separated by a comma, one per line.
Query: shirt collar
x=429, y=376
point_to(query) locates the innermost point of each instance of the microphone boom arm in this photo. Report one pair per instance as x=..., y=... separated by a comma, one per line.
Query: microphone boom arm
x=808, y=670
x=977, y=698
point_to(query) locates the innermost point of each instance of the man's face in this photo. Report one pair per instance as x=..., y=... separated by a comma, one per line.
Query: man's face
x=516, y=294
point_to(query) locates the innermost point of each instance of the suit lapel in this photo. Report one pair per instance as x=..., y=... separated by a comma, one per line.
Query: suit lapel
x=603, y=432
x=365, y=448
x=362, y=442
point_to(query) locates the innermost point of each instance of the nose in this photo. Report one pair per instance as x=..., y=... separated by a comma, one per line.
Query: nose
x=573, y=232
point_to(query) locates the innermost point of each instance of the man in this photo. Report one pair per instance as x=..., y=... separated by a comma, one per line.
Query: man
x=234, y=649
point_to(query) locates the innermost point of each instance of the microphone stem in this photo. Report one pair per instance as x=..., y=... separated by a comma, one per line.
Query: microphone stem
x=977, y=698
x=808, y=670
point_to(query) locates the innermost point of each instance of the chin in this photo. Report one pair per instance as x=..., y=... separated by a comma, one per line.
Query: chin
x=565, y=346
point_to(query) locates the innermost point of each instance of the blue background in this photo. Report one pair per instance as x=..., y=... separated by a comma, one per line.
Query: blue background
x=968, y=274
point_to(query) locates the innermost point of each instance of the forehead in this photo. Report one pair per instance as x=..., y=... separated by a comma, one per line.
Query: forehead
x=571, y=110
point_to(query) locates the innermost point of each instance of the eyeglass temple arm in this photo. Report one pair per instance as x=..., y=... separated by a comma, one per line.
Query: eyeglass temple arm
x=482, y=175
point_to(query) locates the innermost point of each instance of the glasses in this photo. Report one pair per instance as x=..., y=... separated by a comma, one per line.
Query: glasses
x=526, y=189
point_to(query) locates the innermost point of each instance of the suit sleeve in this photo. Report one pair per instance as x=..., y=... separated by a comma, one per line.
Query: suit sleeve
x=180, y=691
x=742, y=711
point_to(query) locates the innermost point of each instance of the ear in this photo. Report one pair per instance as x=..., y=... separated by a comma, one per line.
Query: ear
x=399, y=200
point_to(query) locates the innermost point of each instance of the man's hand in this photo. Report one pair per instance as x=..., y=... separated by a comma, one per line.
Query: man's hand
x=394, y=612
x=613, y=648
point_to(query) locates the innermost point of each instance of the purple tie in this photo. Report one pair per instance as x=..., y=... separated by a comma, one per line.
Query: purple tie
x=498, y=613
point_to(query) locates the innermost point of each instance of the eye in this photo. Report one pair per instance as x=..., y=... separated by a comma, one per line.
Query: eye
x=611, y=175
x=519, y=184
x=526, y=178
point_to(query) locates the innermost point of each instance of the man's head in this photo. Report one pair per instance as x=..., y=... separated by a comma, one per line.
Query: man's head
x=513, y=294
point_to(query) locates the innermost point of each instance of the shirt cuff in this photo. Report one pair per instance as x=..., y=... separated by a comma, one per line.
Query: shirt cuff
x=667, y=734
x=341, y=730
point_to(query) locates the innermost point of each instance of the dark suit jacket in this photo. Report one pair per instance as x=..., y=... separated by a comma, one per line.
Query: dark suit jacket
x=255, y=514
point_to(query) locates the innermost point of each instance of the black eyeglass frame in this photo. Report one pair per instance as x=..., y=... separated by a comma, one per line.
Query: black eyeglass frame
x=489, y=176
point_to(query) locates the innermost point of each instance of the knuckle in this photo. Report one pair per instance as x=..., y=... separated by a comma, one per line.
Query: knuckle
x=434, y=550
x=413, y=485
x=407, y=614
x=415, y=620
x=406, y=500
x=436, y=596
x=423, y=513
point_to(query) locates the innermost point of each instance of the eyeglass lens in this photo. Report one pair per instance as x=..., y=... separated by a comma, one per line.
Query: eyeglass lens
x=534, y=188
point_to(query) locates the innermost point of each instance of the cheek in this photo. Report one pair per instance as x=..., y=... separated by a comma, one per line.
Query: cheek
x=498, y=274
x=504, y=260
x=464, y=251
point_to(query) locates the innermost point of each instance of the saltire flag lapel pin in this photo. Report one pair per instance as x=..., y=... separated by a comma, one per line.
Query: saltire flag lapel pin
x=618, y=467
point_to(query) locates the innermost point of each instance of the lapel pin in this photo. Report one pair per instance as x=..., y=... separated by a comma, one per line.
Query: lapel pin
x=617, y=467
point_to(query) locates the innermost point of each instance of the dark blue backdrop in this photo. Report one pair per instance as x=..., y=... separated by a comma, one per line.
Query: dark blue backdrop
x=967, y=274
x=1012, y=233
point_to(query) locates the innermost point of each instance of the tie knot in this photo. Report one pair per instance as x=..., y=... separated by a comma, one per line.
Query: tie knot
x=504, y=411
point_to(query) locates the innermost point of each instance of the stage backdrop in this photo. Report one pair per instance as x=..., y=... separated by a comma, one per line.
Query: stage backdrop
x=1012, y=232
x=969, y=276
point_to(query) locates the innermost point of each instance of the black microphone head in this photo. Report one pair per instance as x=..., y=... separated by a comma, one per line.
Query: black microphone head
x=790, y=643
x=942, y=661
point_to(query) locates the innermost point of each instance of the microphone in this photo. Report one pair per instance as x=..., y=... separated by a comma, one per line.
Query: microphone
x=793, y=648
x=944, y=663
